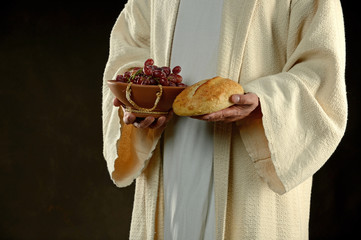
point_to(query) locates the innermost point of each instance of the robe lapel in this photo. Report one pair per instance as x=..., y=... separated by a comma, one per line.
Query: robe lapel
x=164, y=19
x=237, y=17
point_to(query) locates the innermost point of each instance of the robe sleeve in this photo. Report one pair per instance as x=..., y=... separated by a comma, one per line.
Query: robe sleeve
x=126, y=149
x=305, y=106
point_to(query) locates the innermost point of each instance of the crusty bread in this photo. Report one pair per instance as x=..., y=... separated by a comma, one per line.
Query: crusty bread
x=206, y=96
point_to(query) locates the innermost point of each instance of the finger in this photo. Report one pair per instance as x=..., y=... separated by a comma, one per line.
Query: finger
x=116, y=102
x=200, y=117
x=129, y=118
x=146, y=122
x=233, y=119
x=222, y=114
x=160, y=122
x=214, y=117
x=163, y=120
x=236, y=111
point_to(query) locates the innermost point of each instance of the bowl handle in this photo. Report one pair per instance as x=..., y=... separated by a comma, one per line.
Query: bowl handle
x=138, y=108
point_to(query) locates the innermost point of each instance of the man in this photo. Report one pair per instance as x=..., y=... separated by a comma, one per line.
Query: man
x=289, y=56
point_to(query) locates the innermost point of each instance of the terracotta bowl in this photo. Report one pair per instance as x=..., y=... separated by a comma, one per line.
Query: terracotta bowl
x=143, y=98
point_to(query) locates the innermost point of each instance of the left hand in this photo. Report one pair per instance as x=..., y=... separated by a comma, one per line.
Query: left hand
x=245, y=106
x=148, y=122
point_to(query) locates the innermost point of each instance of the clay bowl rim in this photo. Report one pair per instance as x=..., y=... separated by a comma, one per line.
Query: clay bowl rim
x=144, y=86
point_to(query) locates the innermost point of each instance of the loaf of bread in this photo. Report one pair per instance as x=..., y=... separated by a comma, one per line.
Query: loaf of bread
x=206, y=96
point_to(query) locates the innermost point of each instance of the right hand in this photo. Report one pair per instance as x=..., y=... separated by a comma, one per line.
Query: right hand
x=148, y=122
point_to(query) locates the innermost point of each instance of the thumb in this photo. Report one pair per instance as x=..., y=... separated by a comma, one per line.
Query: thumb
x=236, y=98
x=245, y=99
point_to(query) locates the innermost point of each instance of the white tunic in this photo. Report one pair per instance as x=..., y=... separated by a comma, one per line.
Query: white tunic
x=189, y=211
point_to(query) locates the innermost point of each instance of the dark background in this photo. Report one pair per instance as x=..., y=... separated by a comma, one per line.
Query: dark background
x=53, y=179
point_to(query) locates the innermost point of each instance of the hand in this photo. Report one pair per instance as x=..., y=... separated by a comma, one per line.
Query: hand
x=245, y=106
x=148, y=122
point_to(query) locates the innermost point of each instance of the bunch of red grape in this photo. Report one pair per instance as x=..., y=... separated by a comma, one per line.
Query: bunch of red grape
x=151, y=74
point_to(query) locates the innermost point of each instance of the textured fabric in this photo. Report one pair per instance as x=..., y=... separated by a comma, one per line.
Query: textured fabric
x=292, y=55
x=189, y=211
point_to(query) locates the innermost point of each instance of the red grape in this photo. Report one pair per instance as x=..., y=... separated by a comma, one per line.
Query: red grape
x=176, y=69
x=152, y=81
x=151, y=74
x=145, y=82
x=149, y=62
x=166, y=70
x=127, y=75
x=135, y=80
x=163, y=82
x=148, y=70
x=179, y=78
x=158, y=74
x=134, y=70
x=171, y=77
x=121, y=78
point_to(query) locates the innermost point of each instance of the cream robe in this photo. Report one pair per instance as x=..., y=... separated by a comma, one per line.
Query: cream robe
x=291, y=53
